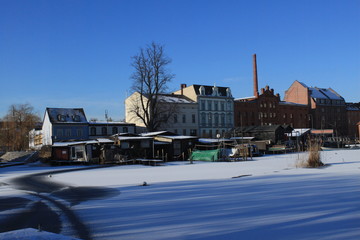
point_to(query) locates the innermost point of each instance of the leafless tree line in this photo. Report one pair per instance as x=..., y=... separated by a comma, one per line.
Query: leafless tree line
x=15, y=127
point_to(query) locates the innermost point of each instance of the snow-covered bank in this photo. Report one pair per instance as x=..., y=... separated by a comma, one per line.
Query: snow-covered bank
x=205, y=201
x=183, y=171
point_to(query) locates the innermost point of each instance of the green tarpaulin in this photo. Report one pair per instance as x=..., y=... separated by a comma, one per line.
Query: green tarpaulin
x=205, y=155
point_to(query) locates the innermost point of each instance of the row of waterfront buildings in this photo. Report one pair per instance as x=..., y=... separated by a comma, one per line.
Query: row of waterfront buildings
x=212, y=111
x=207, y=111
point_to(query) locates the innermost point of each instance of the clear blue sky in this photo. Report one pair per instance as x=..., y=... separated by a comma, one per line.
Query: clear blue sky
x=78, y=53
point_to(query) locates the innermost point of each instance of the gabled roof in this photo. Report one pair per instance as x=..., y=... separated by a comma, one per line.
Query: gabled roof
x=66, y=115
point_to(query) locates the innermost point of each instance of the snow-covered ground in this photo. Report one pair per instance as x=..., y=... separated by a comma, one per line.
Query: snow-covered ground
x=267, y=198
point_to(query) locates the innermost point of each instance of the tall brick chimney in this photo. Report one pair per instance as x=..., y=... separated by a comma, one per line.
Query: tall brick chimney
x=256, y=90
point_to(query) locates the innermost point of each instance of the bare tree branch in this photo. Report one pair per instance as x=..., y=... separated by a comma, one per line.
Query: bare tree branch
x=150, y=79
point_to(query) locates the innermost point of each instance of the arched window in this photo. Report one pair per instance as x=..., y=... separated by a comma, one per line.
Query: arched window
x=114, y=130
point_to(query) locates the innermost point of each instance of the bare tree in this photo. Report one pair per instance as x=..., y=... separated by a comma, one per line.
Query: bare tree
x=150, y=79
x=16, y=125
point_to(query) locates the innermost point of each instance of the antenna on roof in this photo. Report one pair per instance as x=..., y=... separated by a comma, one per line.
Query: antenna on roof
x=106, y=115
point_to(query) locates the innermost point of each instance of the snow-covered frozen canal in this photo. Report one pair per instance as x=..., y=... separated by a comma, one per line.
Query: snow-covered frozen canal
x=267, y=198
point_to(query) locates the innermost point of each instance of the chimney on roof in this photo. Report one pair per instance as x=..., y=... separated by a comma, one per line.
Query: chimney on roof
x=256, y=90
x=182, y=86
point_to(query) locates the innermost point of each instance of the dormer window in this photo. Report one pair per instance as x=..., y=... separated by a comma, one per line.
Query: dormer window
x=228, y=92
x=202, y=90
x=61, y=118
x=76, y=118
x=215, y=91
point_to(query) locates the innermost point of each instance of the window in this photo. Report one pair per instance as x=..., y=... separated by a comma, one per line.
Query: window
x=209, y=105
x=192, y=132
x=216, y=119
x=79, y=132
x=184, y=132
x=68, y=132
x=184, y=118
x=203, y=118
x=222, y=105
x=93, y=131
x=61, y=118
x=229, y=120
x=209, y=119
x=216, y=105
x=222, y=119
x=76, y=118
x=193, y=118
x=229, y=105
x=114, y=130
x=125, y=129
x=175, y=118
x=202, y=104
x=176, y=131
x=103, y=131
x=202, y=90
x=59, y=132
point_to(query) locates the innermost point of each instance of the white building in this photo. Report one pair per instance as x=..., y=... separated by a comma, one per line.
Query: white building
x=215, y=108
x=180, y=111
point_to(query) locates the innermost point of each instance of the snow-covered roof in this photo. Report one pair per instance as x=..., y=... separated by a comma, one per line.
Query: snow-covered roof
x=65, y=144
x=297, y=132
x=67, y=115
x=104, y=140
x=245, y=98
x=95, y=141
x=153, y=133
x=174, y=99
x=180, y=137
x=213, y=140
